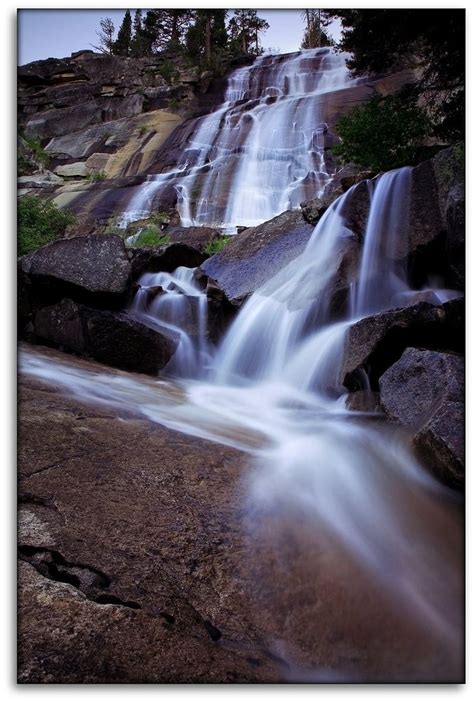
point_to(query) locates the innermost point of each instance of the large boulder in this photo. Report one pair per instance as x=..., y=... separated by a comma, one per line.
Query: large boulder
x=196, y=236
x=257, y=254
x=94, y=267
x=424, y=391
x=113, y=338
x=342, y=180
x=448, y=166
x=166, y=258
x=377, y=341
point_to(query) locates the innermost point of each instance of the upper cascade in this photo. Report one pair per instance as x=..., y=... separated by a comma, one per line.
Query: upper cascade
x=263, y=150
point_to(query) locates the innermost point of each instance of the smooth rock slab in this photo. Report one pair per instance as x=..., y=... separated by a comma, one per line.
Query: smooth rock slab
x=424, y=391
x=257, y=254
x=73, y=170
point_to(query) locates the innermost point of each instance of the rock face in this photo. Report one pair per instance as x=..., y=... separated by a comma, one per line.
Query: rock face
x=112, y=338
x=196, y=236
x=256, y=254
x=160, y=595
x=376, y=342
x=164, y=258
x=90, y=265
x=181, y=585
x=424, y=391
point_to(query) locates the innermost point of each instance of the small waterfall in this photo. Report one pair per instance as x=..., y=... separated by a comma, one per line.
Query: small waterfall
x=381, y=277
x=175, y=302
x=262, y=151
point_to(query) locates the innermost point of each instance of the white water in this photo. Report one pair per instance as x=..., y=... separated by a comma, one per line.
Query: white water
x=273, y=387
x=262, y=151
x=275, y=392
x=175, y=302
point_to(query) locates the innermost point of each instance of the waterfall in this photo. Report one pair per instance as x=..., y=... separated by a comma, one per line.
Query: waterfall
x=262, y=151
x=174, y=301
x=273, y=387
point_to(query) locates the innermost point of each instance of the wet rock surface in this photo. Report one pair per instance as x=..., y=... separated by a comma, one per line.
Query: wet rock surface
x=164, y=258
x=113, y=338
x=132, y=558
x=140, y=562
x=424, y=391
x=376, y=342
x=257, y=253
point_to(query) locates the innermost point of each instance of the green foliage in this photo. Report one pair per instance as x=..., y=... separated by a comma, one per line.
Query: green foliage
x=173, y=104
x=24, y=166
x=169, y=72
x=151, y=236
x=244, y=28
x=40, y=156
x=207, y=37
x=97, y=175
x=40, y=222
x=217, y=245
x=382, y=134
x=122, y=45
x=381, y=41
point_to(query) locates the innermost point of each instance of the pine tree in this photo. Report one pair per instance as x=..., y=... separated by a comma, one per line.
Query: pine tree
x=106, y=36
x=207, y=36
x=315, y=35
x=138, y=42
x=122, y=44
x=166, y=29
x=245, y=27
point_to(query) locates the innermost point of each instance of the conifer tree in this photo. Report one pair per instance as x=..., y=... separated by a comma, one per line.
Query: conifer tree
x=122, y=44
x=245, y=27
x=207, y=36
x=138, y=42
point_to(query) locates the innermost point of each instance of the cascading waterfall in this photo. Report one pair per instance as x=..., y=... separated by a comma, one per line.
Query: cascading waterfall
x=174, y=301
x=262, y=151
x=274, y=387
x=276, y=393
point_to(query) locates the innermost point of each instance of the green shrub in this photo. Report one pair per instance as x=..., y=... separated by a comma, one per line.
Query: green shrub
x=382, y=134
x=39, y=154
x=151, y=236
x=169, y=72
x=217, y=245
x=40, y=222
x=97, y=175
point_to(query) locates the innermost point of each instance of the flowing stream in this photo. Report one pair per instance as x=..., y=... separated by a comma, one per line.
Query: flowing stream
x=273, y=387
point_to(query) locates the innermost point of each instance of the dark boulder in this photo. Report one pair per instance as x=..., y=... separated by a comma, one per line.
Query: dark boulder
x=436, y=236
x=197, y=237
x=94, y=267
x=257, y=254
x=424, y=391
x=342, y=181
x=374, y=343
x=113, y=338
x=164, y=258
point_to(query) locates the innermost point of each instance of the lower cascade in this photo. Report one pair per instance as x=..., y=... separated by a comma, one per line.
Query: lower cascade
x=273, y=388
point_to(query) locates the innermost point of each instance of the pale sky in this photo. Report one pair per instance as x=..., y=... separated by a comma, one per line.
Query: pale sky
x=57, y=33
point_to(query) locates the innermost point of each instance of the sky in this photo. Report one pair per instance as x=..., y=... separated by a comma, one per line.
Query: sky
x=57, y=33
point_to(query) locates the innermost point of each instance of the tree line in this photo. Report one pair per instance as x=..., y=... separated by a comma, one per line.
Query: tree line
x=200, y=34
